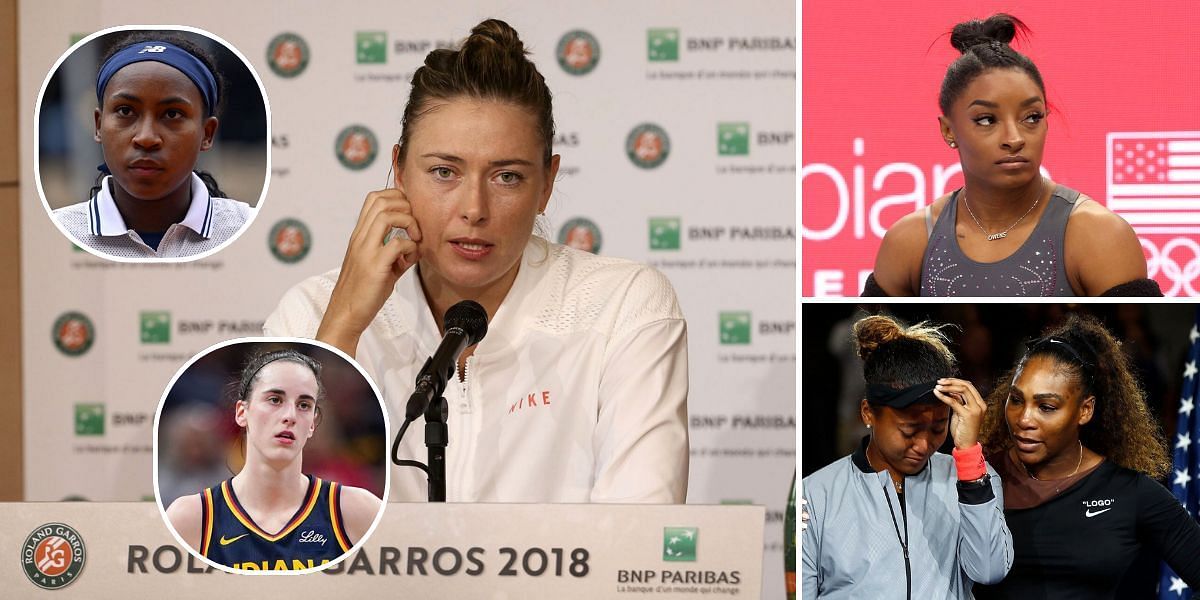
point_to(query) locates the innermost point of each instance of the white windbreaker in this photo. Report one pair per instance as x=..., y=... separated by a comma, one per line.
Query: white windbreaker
x=578, y=393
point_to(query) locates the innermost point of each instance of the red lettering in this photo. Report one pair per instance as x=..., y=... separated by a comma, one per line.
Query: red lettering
x=530, y=400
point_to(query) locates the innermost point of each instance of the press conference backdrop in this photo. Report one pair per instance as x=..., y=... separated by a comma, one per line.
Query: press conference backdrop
x=676, y=123
x=1123, y=86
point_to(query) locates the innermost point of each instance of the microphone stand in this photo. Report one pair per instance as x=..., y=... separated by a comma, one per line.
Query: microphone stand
x=465, y=324
x=437, y=437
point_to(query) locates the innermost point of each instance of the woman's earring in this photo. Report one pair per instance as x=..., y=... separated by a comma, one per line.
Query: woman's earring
x=953, y=145
x=868, y=425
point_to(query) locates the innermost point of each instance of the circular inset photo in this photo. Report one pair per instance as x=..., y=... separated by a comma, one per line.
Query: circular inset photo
x=270, y=456
x=152, y=144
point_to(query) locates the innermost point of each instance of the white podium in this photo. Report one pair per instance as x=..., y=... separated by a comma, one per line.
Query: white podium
x=501, y=551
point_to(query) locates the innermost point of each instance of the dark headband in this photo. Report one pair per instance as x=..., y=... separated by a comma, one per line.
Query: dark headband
x=883, y=395
x=1055, y=342
x=168, y=54
x=282, y=355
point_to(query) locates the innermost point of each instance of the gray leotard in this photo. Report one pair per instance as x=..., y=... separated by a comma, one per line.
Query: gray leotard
x=1035, y=269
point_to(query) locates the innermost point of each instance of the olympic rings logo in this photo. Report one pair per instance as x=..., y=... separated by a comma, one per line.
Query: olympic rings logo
x=1181, y=277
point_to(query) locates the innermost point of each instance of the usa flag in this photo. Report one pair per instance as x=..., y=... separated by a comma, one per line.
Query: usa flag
x=1154, y=180
x=1185, y=476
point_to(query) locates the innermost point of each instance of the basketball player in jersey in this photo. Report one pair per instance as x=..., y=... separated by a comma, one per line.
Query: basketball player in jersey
x=272, y=516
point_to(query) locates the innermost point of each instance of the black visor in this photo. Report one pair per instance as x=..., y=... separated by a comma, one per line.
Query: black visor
x=883, y=395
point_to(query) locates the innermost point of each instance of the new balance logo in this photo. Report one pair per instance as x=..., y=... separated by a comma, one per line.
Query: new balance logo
x=226, y=542
x=154, y=49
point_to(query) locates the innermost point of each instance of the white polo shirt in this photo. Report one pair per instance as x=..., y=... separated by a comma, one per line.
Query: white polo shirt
x=209, y=222
x=578, y=393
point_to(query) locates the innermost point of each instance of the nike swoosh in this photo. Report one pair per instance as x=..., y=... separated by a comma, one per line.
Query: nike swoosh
x=225, y=542
x=1089, y=514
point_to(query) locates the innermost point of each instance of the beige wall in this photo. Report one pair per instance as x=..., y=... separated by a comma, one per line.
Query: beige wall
x=10, y=263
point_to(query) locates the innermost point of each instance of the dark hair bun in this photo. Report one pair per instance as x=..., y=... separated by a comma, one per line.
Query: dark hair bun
x=999, y=27
x=872, y=332
x=493, y=36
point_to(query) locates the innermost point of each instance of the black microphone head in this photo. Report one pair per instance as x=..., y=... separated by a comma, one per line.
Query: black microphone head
x=469, y=316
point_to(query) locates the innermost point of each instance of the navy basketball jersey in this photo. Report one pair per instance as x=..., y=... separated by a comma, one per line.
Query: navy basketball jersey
x=313, y=536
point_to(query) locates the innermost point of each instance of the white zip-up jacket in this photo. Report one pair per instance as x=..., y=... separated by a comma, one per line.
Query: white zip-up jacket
x=578, y=392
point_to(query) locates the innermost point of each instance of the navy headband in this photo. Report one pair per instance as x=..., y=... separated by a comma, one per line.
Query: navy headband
x=168, y=54
x=884, y=395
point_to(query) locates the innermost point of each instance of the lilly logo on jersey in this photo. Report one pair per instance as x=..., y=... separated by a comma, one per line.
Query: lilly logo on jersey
x=1091, y=506
x=312, y=537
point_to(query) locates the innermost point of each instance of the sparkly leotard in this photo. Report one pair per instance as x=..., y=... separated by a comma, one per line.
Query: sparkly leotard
x=1035, y=269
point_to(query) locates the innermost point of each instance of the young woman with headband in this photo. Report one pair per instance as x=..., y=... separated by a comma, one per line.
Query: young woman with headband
x=159, y=96
x=895, y=519
x=1009, y=231
x=270, y=515
x=578, y=393
x=1069, y=432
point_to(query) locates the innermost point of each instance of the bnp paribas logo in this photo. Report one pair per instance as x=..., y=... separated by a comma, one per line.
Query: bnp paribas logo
x=356, y=147
x=733, y=139
x=735, y=327
x=89, y=419
x=370, y=47
x=156, y=327
x=580, y=233
x=73, y=333
x=53, y=556
x=287, y=54
x=647, y=145
x=664, y=233
x=578, y=52
x=662, y=45
x=679, y=543
x=290, y=240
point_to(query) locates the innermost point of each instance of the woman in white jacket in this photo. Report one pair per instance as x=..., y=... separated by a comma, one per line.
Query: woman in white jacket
x=578, y=392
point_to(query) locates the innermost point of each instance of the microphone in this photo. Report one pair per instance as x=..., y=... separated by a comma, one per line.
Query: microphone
x=465, y=324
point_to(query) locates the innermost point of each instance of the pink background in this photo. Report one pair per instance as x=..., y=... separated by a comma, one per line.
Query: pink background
x=872, y=71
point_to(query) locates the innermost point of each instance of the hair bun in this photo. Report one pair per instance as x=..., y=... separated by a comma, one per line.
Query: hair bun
x=872, y=332
x=494, y=35
x=999, y=27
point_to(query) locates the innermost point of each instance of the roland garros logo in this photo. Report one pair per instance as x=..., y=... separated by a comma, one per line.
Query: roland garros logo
x=53, y=556
x=578, y=52
x=647, y=145
x=290, y=240
x=73, y=333
x=356, y=147
x=287, y=54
